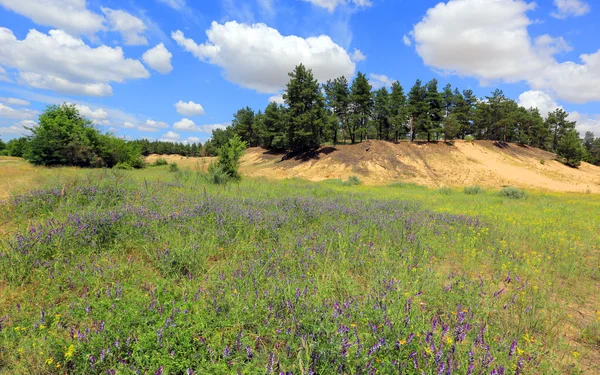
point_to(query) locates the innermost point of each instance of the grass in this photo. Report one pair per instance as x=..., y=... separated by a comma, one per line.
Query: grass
x=161, y=272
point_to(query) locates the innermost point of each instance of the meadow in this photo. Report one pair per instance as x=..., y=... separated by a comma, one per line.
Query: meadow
x=158, y=272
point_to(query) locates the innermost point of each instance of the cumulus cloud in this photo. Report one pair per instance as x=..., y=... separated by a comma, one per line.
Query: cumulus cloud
x=152, y=126
x=18, y=114
x=159, y=59
x=539, y=100
x=98, y=116
x=66, y=64
x=277, y=99
x=380, y=80
x=358, y=56
x=406, y=40
x=18, y=128
x=188, y=125
x=69, y=15
x=130, y=27
x=15, y=101
x=489, y=40
x=259, y=57
x=171, y=136
x=3, y=76
x=330, y=5
x=586, y=123
x=189, y=109
x=570, y=8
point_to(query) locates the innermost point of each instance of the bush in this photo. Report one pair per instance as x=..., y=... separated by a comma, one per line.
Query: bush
x=445, y=191
x=123, y=166
x=229, y=157
x=173, y=167
x=216, y=174
x=64, y=137
x=542, y=161
x=469, y=138
x=513, y=193
x=352, y=180
x=159, y=162
x=473, y=190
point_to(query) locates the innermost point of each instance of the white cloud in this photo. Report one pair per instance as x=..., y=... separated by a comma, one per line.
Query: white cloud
x=539, y=100
x=379, y=80
x=3, y=76
x=15, y=101
x=358, y=56
x=259, y=57
x=159, y=59
x=128, y=125
x=570, y=8
x=130, y=27
x=330, y=5
x=175, y=4
x=277, y=99
x=18, y=114
x=586, y=123
x=189, y=109
x=406, y=40
x=188, y=125
x=63, y=63
x=172, y=136
x=489, y=40
x=98, y=116
x=18, y=128
x=69, y=15
x=193, y=140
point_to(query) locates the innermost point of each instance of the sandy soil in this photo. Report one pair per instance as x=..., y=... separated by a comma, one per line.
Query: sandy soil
x=485, y=163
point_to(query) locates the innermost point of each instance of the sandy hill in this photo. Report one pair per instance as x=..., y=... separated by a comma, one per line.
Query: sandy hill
x=484, y=163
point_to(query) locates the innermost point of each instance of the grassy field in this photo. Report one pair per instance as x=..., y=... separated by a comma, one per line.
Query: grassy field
x=155, y=272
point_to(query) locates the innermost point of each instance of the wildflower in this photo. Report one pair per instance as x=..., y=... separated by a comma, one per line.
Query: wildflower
x=576, y=355
x=69, y=353
x=50, y=361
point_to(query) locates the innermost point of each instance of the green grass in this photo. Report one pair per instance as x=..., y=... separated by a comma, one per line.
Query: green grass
x=150, y=271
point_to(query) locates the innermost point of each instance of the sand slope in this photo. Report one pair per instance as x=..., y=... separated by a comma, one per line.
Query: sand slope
x=485, y=163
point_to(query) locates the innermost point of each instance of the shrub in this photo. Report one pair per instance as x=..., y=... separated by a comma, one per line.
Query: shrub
x=216, y=175
x=469, y=138
x=445, y=191
x=513, y=193
x=159, y=162
x=352, y=180
x=542, y=161
x=173, y=167
x=473, y=190
x=123, y=166
x=570, y=148
x=229, y=157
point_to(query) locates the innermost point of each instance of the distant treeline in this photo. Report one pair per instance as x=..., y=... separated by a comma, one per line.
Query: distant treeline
x=338, y=110
x=334, y=112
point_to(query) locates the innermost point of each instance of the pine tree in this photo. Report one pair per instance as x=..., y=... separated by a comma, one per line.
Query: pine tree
x=361, y=105
x=306, y=108
x=559, y=125
x=436, y=109
x=244, y=125
x=398, y=111
x=381, y=113
x=418, y=109
x=274, y=134
x=570, y=148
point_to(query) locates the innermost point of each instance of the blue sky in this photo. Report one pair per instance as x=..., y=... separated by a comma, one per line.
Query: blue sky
x=127, y=64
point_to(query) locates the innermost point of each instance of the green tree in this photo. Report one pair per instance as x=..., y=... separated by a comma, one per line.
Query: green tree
x=559, y=126
x=381, y=113
x=398, y=111
x=435, y=113
x=451, y=126
x=570, y=147
x=245, y=125
x=229, y=158
x=306, y=109
x=418, y=109
x=361, y=105
x=274, y=132
x=2, y=147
